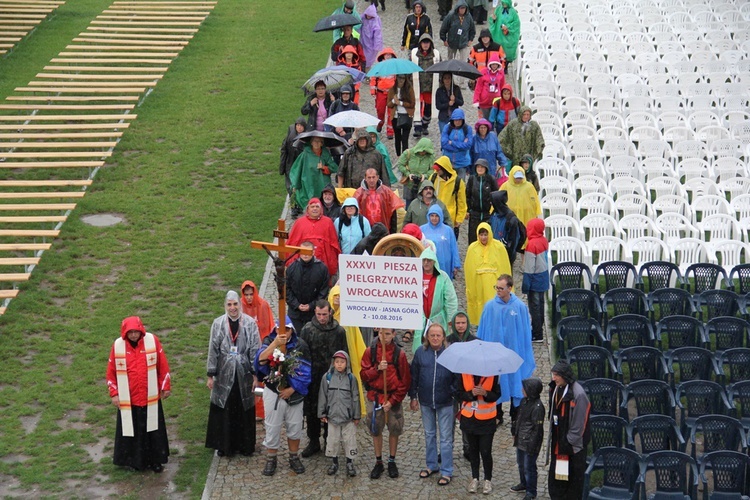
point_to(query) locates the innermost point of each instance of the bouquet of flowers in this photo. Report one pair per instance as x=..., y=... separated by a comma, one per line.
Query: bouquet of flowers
x=282, y=365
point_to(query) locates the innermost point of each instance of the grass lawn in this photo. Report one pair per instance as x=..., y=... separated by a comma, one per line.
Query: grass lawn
x=196, y=178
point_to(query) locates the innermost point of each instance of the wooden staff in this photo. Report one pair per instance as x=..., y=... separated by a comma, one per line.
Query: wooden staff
x=385, y=372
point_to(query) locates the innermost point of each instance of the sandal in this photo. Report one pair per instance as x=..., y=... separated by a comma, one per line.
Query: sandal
x=427, y=473
x=444, y=481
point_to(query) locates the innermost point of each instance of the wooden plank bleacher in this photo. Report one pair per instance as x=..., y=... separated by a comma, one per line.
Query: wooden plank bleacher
x=95, y=81
x=17, y=19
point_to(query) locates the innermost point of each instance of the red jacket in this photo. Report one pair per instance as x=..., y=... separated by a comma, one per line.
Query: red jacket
x=489, y=85
x=322, y=234
x=397, y=387
x=258, y=309
x=137, y=369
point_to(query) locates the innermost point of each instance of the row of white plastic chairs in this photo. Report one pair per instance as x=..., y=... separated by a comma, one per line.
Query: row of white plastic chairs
x=683, y=252
x=680, y=20
x=717, y=170
x=604, y=10
x=735, y=215
x=696, y=187
x=667, y=227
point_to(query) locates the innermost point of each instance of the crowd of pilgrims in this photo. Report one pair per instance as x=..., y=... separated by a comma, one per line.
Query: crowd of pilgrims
x=345, y=200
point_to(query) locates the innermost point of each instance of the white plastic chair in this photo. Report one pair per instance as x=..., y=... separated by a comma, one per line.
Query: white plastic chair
x=559, y=203
x=689, y=149
x=609, y=119
x=560, y=225
x=623, y=166
x=638, y=226
x=654, y=148
x=618, y=148
x=600, y=104
x=678, y=134
x=669, y=120
x=588, y=166
x=632, y=204
x=607, y=248
x=612, y=134
x=598, y=225
x=672, y=203
x=711, y=134
x=741, y=132
x=726, y=148
x=648, y=249
x=703, y=118
x=656, y=167
x=731, y=118
x=584, y=148
x=643, y=133
x=718, y=227
x=568, y=249
x=552, y=166
x=595, y=203
x=689, y=251
x=735, y=186
x=728, y=167
x=674, y=226
x=710, y=204
x=692, y=168
x=700, y=186
x=554, y=184
x=661, y=186
x=586, y=184
x=731, y=253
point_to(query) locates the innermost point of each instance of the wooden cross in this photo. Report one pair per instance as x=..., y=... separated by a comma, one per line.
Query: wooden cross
x=283, y=250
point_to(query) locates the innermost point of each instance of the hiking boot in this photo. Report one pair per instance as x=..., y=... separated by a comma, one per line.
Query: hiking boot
x=518, y=488
x=473, y=485
x=296, y=464
x=311, y=449
x=350, y=470
x=377, y=471
x=333, y=469
x=392, y=470
x=487, y=487
x=425, y=131
x=270, y=468
x=529, y=496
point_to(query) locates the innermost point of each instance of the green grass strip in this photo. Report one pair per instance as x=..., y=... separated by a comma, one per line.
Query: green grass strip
x=196, y=178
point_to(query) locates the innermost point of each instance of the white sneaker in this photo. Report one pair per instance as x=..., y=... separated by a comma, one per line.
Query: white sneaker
x=473, y=485
x=487, y=487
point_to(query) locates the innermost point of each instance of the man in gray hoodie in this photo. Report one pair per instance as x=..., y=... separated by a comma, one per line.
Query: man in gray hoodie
x=458, y=31
x=339, y=407
x=417, y=211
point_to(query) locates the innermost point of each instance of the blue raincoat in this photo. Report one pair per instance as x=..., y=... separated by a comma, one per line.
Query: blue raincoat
x=509, y=323
x=444, y=238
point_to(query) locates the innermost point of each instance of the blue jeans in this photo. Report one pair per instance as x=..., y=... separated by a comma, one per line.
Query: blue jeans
x=527, y=470
x=433, y=419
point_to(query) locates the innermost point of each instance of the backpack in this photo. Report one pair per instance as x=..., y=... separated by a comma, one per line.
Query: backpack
x=374, y=361
x=513, y=242
x=456, y=185
x=361, y=226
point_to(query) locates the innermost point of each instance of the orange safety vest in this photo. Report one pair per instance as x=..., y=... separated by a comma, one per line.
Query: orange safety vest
x=479, y=409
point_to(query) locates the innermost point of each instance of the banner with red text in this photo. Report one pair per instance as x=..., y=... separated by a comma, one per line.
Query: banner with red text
x=379, y=291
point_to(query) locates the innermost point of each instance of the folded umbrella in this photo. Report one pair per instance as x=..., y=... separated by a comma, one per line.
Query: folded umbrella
x=455, y=67
x=479, y=357
x=351, y=119
x=391, y=67
x=330, y=140
x=336, y=21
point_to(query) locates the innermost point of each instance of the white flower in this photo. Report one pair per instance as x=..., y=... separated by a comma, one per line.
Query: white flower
x=282, y=358
x=277, y=354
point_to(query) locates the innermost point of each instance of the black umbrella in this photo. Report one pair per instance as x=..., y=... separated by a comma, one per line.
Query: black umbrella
x=455, y=67
x=336, y=21
x=330, y=140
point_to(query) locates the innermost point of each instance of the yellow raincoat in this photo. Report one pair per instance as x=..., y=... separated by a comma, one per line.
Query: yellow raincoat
x=522, y=198
x=483, y=265
x=354, y=342
x=445, y=191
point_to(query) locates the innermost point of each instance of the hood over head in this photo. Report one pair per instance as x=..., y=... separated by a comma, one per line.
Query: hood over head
x=533, y=387
x=528, y=158
x=535, y=228
x=507, y=3
x=488, y=228
x=341, y=354
x=420, y=2
x=379, y=231
x=301, y=121
x=330, y=189
x=314, y=201
x=359, y=134
x=507, y=86
x=563, y=368
x=350, y=202
x=458, y=114
x=485, y=33
x=427, y=36
x=372, y=130
x=524, y=109
x=423, y=145
x=246, y=284
x=386, y=50
x=486, y=123
x=371, y=11
x=349, y=4
x=427, y=183
x=453, y=322
x=494, y=59
x=429, y=253
x=445, y=163
x=459, y=4
x=347, y=89
x=513, y=172
x=348, y=50
x=131, y=323
x=412, y=230
x=500, y=202
x=435, y=209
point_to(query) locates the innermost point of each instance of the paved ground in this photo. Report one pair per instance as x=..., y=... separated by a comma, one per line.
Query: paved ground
x=240, y=477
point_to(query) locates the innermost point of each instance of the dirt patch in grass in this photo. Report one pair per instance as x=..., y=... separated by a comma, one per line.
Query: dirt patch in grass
x=8, y=485
x=65, y=359
x=74, y=419
x=14, y=459
x=29, y=422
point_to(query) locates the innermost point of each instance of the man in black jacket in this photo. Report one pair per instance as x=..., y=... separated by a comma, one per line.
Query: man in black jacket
x=324, y=336
x=569, y=434
x=528, y=434
x=306, y=283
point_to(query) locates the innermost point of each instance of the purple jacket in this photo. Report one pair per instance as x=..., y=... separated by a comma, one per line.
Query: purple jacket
x=371, y=34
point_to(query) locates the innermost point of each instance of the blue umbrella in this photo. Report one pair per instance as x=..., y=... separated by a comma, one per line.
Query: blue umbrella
x=479, y=357
x=391, y=67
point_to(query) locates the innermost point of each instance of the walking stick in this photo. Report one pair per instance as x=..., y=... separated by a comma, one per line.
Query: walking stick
x=385, y=372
